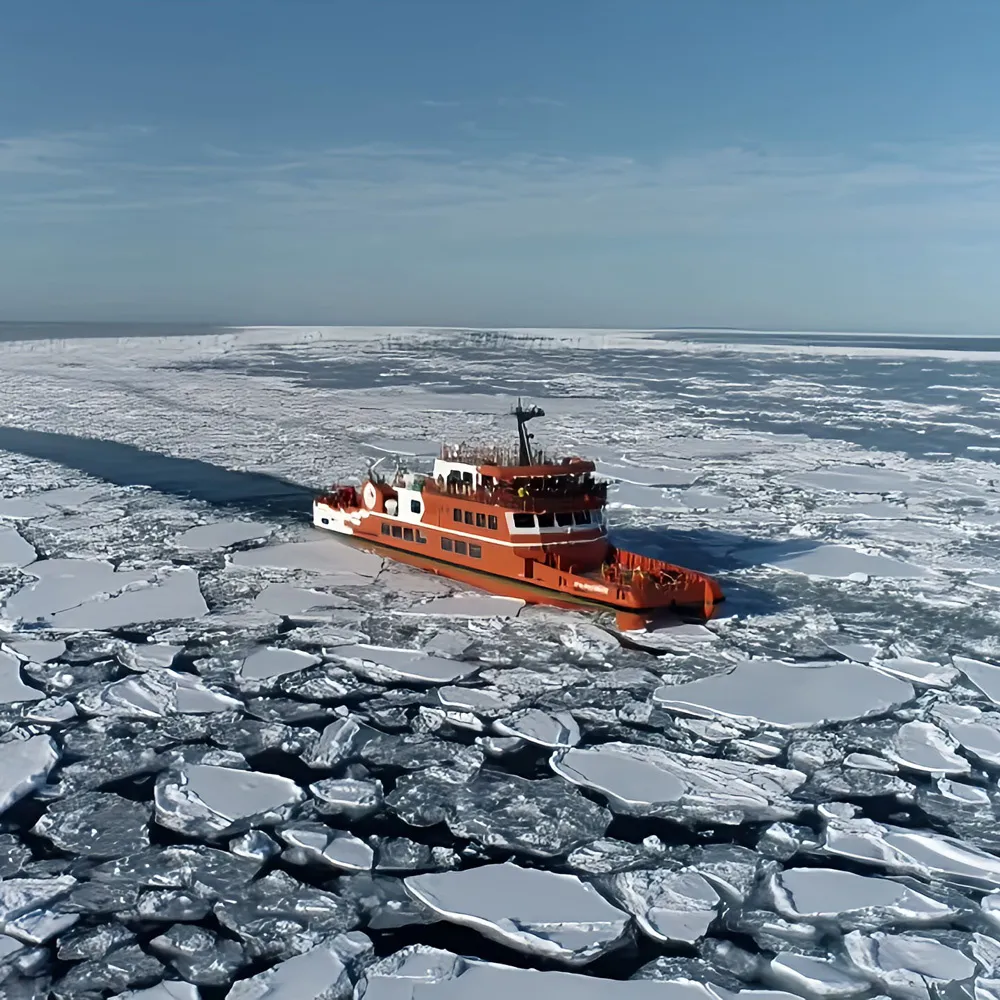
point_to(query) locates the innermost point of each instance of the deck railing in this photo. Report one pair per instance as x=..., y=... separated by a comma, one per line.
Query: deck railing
x=591, y=497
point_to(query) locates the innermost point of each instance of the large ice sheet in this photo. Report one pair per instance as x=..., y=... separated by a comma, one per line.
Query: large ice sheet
x=62, y=584
x=788, y=695
x=830, y=561
x=640, y=780
x=70, y=594
x=320, y=555
x=855, y=479
x=221, y=534
x=177, y=596
x=13, y=690
x=389, y=665
x=552, y=916
x=204, y=800
x=14, y=550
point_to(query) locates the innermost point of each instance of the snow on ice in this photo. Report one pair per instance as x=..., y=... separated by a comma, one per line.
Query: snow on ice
x=240, y=757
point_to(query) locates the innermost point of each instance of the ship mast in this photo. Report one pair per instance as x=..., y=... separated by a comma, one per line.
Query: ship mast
x=522, y=416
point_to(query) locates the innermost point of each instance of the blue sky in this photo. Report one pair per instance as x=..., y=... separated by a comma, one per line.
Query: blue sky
x=797, y=164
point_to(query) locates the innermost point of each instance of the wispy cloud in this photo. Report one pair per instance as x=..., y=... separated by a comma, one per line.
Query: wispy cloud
x=480, y=190
x=430, y=103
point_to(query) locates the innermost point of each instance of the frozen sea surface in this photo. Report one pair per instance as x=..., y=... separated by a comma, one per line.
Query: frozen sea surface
x=241, y=758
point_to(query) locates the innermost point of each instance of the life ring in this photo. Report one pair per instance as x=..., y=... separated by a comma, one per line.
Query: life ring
x=369, y=495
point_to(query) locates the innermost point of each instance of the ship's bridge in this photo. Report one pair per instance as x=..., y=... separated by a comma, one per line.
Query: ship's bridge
x=475, y=467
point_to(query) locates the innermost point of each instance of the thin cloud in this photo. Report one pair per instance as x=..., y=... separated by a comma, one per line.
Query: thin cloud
x=431, y=103
x=478, y=190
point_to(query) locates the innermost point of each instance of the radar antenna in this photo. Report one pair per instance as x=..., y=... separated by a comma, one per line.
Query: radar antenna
x=523, y=415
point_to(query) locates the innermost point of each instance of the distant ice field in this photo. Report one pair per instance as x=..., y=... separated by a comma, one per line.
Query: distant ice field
x=239, y=758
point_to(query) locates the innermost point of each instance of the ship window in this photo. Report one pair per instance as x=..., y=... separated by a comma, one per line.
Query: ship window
x=397, y=531
x=457, y=515
x=468, y=517
x=407, y=534
x=492, y=519
x=421, y=537
x=476, y=551
x=564, y=519
x=385, y=528
x=460, y=548
x=480, y=520
x=446, y=543
x=414, y=506
x=325, y=520
x=546, y=521
x=582, y=516
x=524, y=520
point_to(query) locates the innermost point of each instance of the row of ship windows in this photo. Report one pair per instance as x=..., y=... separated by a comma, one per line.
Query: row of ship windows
x=564, y=519
x=414, y=535
x=479, y=520
x=407, y=534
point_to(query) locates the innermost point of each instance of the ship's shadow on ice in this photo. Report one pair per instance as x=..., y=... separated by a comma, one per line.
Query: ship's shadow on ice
x=126, y=465
x=719, y=554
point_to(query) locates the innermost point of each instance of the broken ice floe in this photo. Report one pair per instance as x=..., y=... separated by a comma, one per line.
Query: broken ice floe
x=71, y=594
x=553, y=916
x=638, y=476
x=13, y=690
x=387, y=665
x=199, y=955
x=823, y=560
x=418, y=972
x=907, y=852
x=38, y=650
x=350, y=798
x=921, y=746
x=296, y=602
x=788, y=695
x=328, y=556
x=220, y=534
x=269, y=661
x=155, y=694
x=985, y=676
x=325, y=972
x=314, y=843
x=541, y=818
x=96, y=824
x=853, y=902
x=545, y=730
x=469, y=606
x=640, y=780
x=669, y=906
x=14, y=550
x=908, y=965
x=204, y=800
x=922, y=673
x=864, y=479
x=24, y=766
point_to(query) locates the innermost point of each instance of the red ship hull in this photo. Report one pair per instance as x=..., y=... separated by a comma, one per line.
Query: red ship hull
x=518, y=524
x=580, y=569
